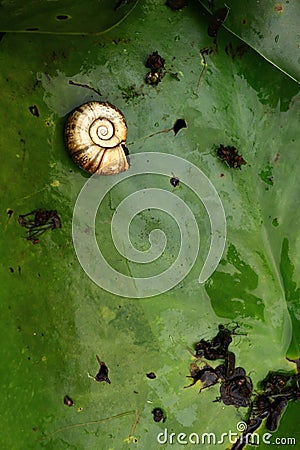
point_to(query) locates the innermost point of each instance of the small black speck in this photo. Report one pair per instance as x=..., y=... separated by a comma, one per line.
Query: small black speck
x=11, y=269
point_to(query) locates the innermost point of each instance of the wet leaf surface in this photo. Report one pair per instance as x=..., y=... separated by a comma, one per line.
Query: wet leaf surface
x=269, y=27
x=48, y=17
x=54, y=320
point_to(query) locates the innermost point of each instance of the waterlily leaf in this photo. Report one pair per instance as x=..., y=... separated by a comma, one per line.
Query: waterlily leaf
x=270, y=27
x=54, y=319
x=37, y=16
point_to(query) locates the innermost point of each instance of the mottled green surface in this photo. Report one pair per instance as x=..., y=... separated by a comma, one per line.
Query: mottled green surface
x=270, y=27
x=54, y=319
x=63, y=17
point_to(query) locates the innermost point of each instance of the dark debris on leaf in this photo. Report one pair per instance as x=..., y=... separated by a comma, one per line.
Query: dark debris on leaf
x=68, y=401
x=230, y=156
x=268, y=404
x=174, y=181
x=157, y=65
x=158, y=415
x=39, y=221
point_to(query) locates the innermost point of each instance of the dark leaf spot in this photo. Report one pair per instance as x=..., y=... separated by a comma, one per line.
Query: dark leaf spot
x=34, y=110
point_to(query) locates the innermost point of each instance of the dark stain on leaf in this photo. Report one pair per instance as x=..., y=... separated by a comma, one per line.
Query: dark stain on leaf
x=158, y=415
x=238, y=51
x=177, y=4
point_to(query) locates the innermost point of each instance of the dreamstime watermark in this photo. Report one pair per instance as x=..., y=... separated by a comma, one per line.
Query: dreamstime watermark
x=230, y=437
x=90, y=198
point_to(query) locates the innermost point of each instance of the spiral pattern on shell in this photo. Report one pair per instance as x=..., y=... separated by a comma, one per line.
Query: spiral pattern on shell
x=95, y=136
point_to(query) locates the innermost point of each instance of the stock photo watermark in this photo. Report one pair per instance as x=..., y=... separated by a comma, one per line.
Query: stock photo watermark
x=229, y=437
x=89, y=201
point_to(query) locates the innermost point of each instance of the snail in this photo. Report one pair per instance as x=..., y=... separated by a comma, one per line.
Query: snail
x=95, y=135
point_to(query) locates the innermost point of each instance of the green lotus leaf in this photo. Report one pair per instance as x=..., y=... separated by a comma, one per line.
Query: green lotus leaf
x=55, y=320
x=36, y=16
x=269, y=27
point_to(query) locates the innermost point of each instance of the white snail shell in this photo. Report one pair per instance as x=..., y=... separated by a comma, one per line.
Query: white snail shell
x=95, y=135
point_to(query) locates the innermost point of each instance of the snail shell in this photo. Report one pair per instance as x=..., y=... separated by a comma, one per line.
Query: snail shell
x=95, y=135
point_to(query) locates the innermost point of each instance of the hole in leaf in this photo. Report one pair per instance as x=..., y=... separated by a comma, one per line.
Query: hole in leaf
x=178, y=125
x=63, y=17
x=34, y=110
